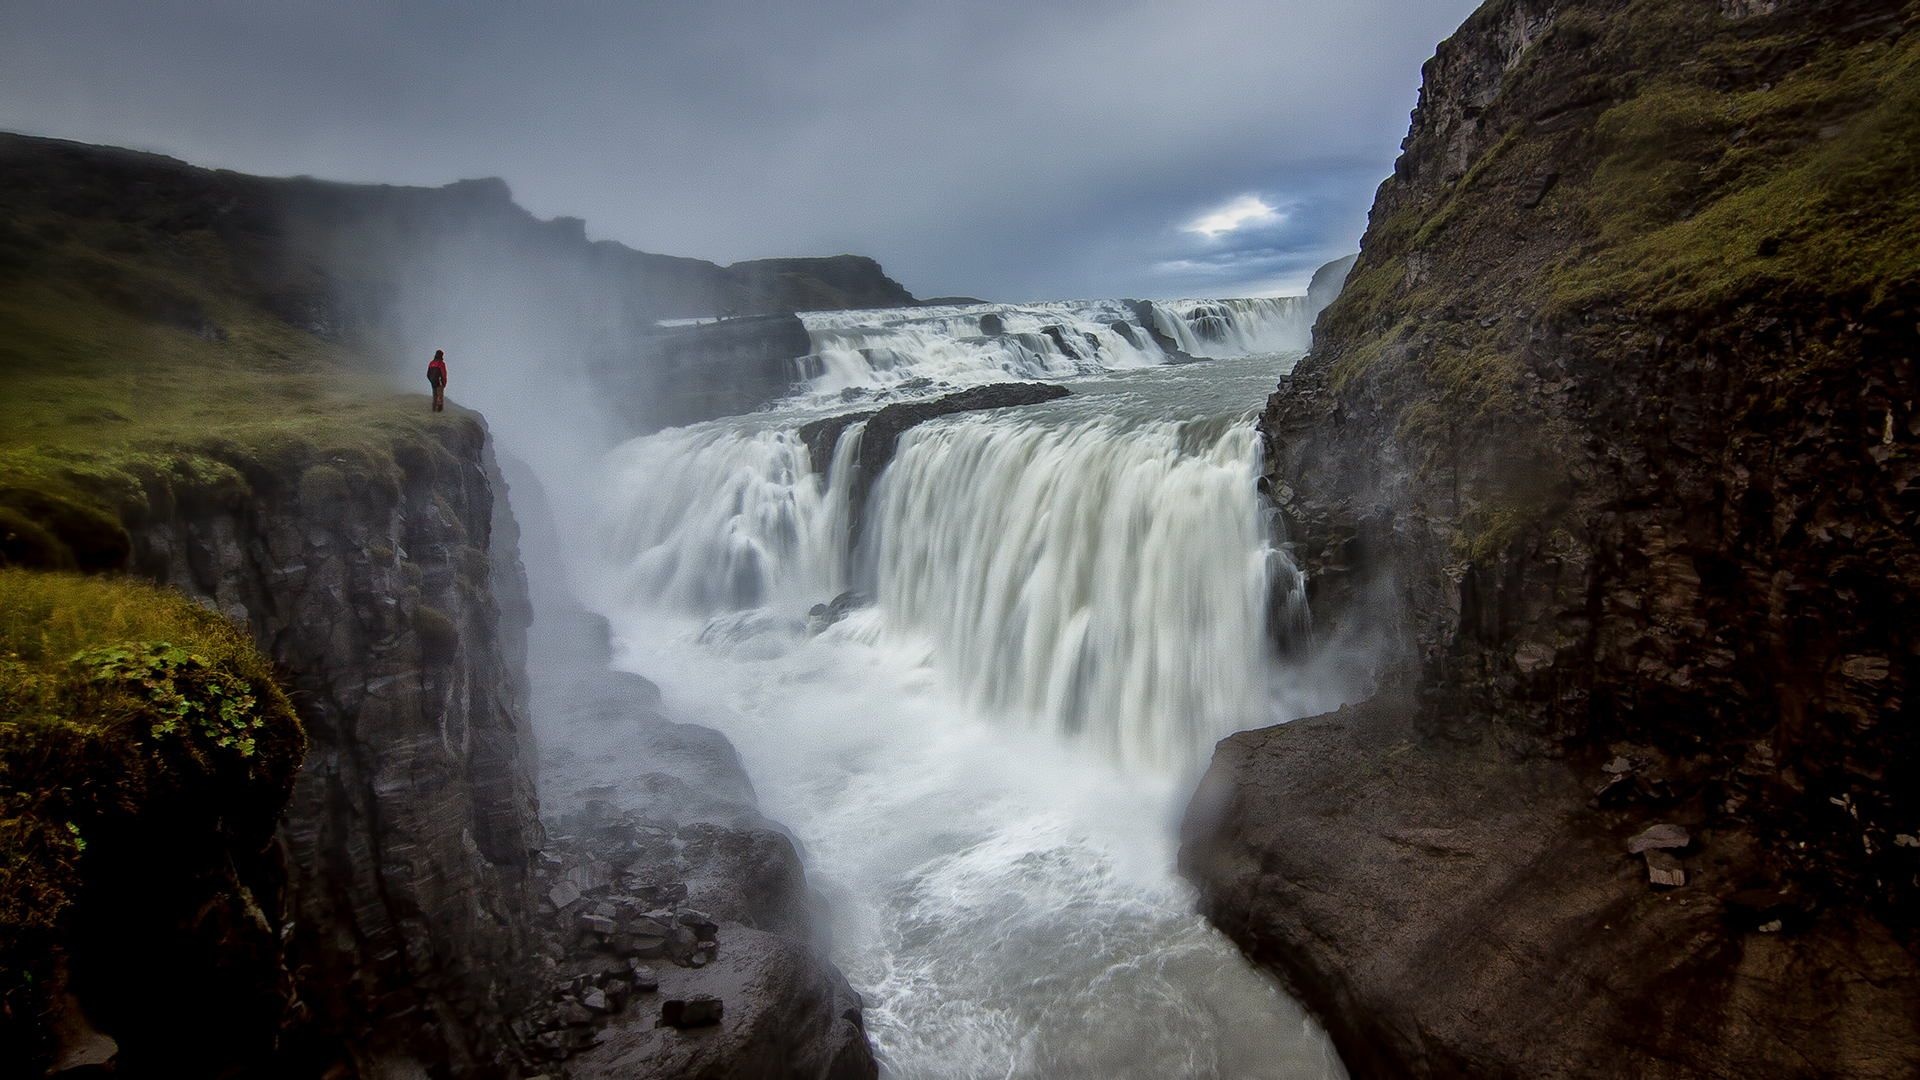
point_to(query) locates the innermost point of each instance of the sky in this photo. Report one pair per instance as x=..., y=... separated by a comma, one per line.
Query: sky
x=1007, y=149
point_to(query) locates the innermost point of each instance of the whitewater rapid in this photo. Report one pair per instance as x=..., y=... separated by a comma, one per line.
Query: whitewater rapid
x=1060, y=608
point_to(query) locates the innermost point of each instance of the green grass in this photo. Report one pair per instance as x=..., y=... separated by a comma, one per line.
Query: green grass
x=1730, y=163
x=128, y=714
x=108, y=415
x=1713, y=189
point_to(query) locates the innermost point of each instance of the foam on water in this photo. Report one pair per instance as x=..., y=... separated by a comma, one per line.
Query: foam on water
x=987, y=764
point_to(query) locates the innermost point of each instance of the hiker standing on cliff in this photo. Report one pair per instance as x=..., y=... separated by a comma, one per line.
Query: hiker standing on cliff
x=437, y=377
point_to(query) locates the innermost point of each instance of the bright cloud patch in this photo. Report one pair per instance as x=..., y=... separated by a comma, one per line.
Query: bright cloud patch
x=1234, y=216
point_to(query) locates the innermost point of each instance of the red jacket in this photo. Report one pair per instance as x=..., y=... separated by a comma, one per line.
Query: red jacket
x=437, y=371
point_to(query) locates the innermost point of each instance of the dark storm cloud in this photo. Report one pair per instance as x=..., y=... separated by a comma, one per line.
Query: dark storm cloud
x=1011, y=149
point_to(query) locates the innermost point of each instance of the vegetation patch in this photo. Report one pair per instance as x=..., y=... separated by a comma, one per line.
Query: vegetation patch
x=106, y=418
x=1717, y=183
x=126, y=711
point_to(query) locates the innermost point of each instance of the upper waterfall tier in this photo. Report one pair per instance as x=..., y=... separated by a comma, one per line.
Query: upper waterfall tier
x=861, y=353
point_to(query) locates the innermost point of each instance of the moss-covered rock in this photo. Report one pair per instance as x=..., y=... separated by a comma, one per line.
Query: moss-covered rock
x=1609, y=449
x=145, y=742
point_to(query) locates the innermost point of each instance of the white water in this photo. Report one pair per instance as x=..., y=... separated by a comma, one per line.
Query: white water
x=1097, y=579
x=859, y=352
x=986, y=766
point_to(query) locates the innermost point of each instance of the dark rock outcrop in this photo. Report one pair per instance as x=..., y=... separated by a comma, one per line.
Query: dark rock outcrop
x=372, y=585
x=1608, y=445
x=816, y=284
x=1143, y=314
x=885, y=426
x=1450, y=910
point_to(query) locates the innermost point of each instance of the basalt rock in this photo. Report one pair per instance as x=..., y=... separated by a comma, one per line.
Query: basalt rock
x=394, y=603
x=709, y=370
x=665, y=881
x=1609, y=470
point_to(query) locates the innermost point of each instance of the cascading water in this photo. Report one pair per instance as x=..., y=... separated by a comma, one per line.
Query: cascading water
x=1096, y=579
x=859, y=352
x=1068, y=605
x=1221, y=329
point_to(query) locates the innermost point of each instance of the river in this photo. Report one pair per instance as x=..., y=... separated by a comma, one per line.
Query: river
x=984, y=763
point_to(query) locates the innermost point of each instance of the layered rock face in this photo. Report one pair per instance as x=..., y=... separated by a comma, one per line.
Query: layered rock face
x=408, y=839
x=1608, y=449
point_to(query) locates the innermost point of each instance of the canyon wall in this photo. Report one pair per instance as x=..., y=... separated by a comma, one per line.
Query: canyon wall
x=1608, y=451
x=378, y=586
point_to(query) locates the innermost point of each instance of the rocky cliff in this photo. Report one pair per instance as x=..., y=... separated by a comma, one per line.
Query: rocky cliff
x=1607, y=450
x=680, y=936
x=192, y=392
x=377, y=586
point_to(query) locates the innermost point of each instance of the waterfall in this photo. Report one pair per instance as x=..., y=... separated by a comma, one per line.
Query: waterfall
x=723, y=520
x=864, y=352
x=1216, y=329
x=1057, y=609
x=1104, y=583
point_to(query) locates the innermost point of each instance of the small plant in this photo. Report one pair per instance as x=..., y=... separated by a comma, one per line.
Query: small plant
x=180, y=691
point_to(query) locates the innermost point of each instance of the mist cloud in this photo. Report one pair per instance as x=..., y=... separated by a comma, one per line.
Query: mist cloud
x=1007, y=149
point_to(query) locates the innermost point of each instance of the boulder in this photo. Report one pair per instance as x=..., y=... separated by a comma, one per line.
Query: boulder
x=691, y=1012
x=1665, y=870
x=1662, y=837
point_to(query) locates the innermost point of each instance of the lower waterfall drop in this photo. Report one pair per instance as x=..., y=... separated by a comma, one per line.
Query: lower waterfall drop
x=1101, y=582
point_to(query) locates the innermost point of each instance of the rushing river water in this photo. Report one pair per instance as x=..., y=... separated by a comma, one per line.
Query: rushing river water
x=986, y=763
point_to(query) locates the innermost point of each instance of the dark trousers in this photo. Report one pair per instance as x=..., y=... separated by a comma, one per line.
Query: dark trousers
x=439, y=397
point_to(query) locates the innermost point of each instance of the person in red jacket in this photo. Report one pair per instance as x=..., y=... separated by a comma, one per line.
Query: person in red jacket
x=437, y=377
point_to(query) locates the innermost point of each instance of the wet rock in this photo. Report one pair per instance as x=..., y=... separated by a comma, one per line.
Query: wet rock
x=1293, y=867
x=1665, y=870
x=1661, y=837
x=702, y=1011
x=821, y=616
x=885, y=426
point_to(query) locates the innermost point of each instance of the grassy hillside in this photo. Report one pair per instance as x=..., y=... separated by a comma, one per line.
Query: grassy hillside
x=160, y=328
x=104, y=414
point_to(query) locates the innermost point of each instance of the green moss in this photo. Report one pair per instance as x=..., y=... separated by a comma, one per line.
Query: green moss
x=134, y=381
x=1655, y=158
x=1464, y=193
x=1717, y=184
x=125, y=709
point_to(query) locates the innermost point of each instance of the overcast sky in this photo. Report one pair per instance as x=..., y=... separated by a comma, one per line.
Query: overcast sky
x=1013, y=150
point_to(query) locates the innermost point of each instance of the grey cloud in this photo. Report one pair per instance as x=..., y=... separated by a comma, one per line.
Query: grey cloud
x=1012, y=149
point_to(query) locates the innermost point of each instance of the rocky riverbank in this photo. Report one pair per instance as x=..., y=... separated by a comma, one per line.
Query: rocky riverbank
x=1606, y=450
x=662, y=886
